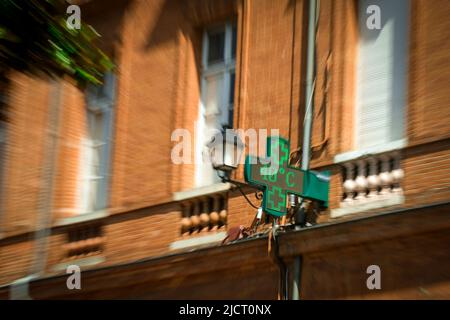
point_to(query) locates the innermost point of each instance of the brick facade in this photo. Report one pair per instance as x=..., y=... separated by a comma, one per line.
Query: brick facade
x=157, y=46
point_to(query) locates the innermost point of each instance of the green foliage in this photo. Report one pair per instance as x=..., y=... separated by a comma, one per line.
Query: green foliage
x=34, y=38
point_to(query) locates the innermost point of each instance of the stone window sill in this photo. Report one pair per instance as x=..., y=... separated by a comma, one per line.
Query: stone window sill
x=198, y=241
x=202, y=191
x=83, y=262
x=364, y=206
x=82, y=218
x=353, y=155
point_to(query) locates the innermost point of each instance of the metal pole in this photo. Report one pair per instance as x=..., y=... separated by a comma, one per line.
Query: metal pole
x=307, y=124
x=296, y=278
x=309, y=103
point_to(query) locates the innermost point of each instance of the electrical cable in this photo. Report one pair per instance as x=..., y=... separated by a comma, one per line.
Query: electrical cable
x=273, y=251
x=224, y=178
x=246, y=198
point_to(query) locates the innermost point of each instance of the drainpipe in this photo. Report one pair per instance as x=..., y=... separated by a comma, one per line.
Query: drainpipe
x=307, y=123
x=19, y=289
x=44, y=217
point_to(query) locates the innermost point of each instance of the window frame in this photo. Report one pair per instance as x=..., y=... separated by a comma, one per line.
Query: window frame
x=227, y=67
x=99, y=100
x=204, y=174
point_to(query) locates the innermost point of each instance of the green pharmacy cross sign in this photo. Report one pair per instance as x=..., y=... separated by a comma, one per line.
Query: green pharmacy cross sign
x=278, y=178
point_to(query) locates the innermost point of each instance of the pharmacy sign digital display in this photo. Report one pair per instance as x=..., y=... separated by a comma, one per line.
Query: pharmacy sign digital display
x=278, y=179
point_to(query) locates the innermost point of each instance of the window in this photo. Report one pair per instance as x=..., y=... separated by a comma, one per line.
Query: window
x=3, y=133
x=382, y=74
x=96, y=146
x=2, y=143
x=2, y=129
x=217, y=96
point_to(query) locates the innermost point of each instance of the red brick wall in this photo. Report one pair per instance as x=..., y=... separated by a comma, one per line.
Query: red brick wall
x=429, y=73
x=409, y=270
x=157, y=46
x=426, y=178
x=23, y=174
x=16, y=259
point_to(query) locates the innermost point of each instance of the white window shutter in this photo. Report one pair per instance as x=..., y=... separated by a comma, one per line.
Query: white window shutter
x=381, y=74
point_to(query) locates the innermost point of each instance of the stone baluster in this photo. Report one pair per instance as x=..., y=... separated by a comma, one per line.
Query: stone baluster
x=186, y=223
x=195, y=219
x=397, y=174
x=373, y=180
x=223, y=214
x=214, y=215
x=361, y=181
x=204, y=215
x=385, y=175
x=349, y=184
